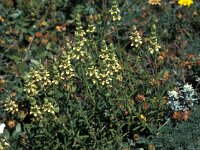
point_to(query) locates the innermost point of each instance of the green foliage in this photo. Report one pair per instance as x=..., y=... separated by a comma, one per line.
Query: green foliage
x=185, y=135
x=92, y=74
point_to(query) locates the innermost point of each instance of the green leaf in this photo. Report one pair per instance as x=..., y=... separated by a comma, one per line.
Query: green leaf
x=36, y=62
x=15, y=58
x=16, y=15
x=6, y=134
x=56, y=109
x=18, y=128
x=136, y=128
x=48, y=46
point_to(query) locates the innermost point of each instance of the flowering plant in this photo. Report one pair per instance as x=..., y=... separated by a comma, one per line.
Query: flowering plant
x=182, y=98
x=90, y=74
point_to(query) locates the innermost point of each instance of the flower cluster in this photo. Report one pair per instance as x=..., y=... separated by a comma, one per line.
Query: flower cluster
x=4, y=144
x=78, y=52
x=135, y=37
x=182, y=98
x=154, y=46
x=185, y=2
x=115, y=12
x=11, y=123
x=48, y=107
x=67, y=71
x=109, y=59
x=37, y=80
x=93, y=73
x=140, y=97
x=173, y=94
x=38, y=112
x=154, y=2
x=60, y=28
x=11, y=106
x=108, y=67
x=91, y=26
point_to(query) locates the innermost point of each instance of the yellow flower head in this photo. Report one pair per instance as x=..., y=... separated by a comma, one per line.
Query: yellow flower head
x=59, y=28
x=154, y=2
x=185, y=2
x=142, y=117
x=1, y=19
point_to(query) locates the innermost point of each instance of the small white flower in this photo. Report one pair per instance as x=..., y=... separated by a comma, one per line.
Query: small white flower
x=188, y=88
x=2, y=126
x=173, y=94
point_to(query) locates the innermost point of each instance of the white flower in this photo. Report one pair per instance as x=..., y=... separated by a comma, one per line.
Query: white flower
x=173, y=94
x=2, y=126
x=187, y=88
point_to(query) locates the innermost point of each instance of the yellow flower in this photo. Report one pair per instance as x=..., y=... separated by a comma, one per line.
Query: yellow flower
x=59, y=28
x=185, y=2
x=1, y=19
x=91, y=28
x=115, y=12
x=142, y=117
x=43, y=23
x=135, y=37
x=2, y=81
x=154, y=2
